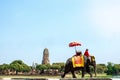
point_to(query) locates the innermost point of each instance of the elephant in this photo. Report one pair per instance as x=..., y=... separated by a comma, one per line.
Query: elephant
x=86, y=69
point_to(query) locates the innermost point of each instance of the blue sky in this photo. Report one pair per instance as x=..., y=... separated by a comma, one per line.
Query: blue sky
x=29, y=26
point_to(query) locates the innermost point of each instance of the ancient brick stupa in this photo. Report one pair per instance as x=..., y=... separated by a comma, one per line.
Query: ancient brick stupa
x=45, y=57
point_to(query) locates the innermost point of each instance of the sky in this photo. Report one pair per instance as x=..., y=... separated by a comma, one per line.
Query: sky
x=27, y=27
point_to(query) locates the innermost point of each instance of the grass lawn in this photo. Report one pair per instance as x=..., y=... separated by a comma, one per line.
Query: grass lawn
x=87, y=76
x=31, y=76
x=40, y=76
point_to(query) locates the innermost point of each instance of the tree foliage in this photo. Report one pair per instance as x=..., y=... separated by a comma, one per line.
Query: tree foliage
x=19, y=66
x=113, y=69
x=41, y=67
x=4, y=68
x=55, y=67
x=101, y=68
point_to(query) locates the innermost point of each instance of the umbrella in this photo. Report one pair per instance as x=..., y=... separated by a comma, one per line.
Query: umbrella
x=74, y=44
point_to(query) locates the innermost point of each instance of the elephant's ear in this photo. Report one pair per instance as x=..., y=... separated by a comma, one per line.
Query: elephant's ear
x=93, y=58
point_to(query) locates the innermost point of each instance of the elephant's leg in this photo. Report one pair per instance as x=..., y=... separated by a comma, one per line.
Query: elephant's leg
x=95, y=70
x=73, y=74
x=65, y=72
x=83, y=73
x=90, y=74
x=94, y=67
x=63, y=75
x=88, y=71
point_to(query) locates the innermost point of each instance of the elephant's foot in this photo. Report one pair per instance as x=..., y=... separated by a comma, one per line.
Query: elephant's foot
x=74, y=76
x=91, y=75
x=95, y=75
x=63, y=75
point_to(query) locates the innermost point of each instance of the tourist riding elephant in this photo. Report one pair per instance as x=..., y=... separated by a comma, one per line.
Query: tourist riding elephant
x=86, y=69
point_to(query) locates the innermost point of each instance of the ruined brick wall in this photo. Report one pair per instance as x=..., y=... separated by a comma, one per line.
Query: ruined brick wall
x=45, y=57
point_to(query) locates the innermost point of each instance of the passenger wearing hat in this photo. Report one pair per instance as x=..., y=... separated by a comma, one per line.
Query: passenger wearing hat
x=78, y=53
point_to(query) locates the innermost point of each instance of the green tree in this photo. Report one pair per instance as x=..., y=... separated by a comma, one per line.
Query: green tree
x=109, y=68
x=62, y=65
x=40, y=68
x=101, y=68
x=116, y=69
x=55, y=67
x=19, y=66
x=16, y=67
x=4, y=68
x=26, y=68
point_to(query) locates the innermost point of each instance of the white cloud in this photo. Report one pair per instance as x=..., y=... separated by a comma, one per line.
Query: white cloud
x=106, y=19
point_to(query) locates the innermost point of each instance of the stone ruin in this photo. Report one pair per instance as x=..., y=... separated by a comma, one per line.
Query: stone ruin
x=45, y=57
